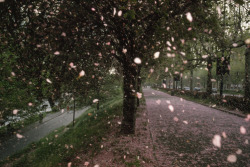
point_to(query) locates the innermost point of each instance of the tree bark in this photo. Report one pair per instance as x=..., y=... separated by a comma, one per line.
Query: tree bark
x=129, y=100
x=138, y=86
x=191, y=79
x=209, y=76
x=221, y=85
x=181, y=82
x=51, y=102
x=173, y=83
x=247, y=73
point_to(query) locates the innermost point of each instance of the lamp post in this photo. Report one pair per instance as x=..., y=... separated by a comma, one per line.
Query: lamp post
x=74, y=110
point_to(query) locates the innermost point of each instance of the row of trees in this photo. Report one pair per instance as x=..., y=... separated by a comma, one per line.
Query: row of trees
x=215, y=47
x=62, y=46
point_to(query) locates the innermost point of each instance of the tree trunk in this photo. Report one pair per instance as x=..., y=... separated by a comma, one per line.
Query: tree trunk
x=191, y=79
x=181, y=82
x=247, y=72
x=129, y=101
x=138, y=86
x=209, y=76
x=51, y=102
x=173, y=83
x=221, y=85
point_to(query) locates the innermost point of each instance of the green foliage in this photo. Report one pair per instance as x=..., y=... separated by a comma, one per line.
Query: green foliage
x=240, y=2
x=62, y=145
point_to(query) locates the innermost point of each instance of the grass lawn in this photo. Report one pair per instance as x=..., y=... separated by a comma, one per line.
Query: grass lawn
x=205, y=101
x=60, y=146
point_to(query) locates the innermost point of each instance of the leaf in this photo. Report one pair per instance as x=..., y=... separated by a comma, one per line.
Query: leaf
x=240, y=2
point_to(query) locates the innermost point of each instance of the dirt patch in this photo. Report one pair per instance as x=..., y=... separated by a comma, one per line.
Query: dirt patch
x=120, y=150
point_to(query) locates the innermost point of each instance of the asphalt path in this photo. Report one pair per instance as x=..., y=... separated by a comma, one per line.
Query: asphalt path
x=37, y=131
x=185, y=133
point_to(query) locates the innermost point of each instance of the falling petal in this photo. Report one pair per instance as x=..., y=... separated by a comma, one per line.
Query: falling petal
x=81, y=74
x=243, y=130
x=124, y=51
x=49, y=81
x=235, y=44
x=204, y=56
x=176, y=119
x=171, y=108
x=120, y=13
x=156, y=55
x=57, y=53
x=166, y=69
x=119, y=122
x=218, y=10
x=15, y=111
x=19, y=136
x=224, y=100
x=247, y=118
x=232, y=158
x=158, y=101
x=169, y=54
x=97, y=165
x=30, y=104
x=137, y=60
x=239, y=151
x=114, y=11
x=189, y=17
x=63, y=34
x=185, y=122
x=86, y=163
x=247, y=41
x=183, y=53
x=69, y=164
x=224, y=134
x=13, y=74
x=217, y=141
x=168, y=43
x=93, y=9
x=95, y=100
x=139, y=95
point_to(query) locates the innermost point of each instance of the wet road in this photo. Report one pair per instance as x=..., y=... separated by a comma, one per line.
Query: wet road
x=189, y=134
x=37, y=131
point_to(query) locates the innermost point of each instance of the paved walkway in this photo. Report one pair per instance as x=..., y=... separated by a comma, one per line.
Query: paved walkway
x=37, y=131
x=189, y=134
